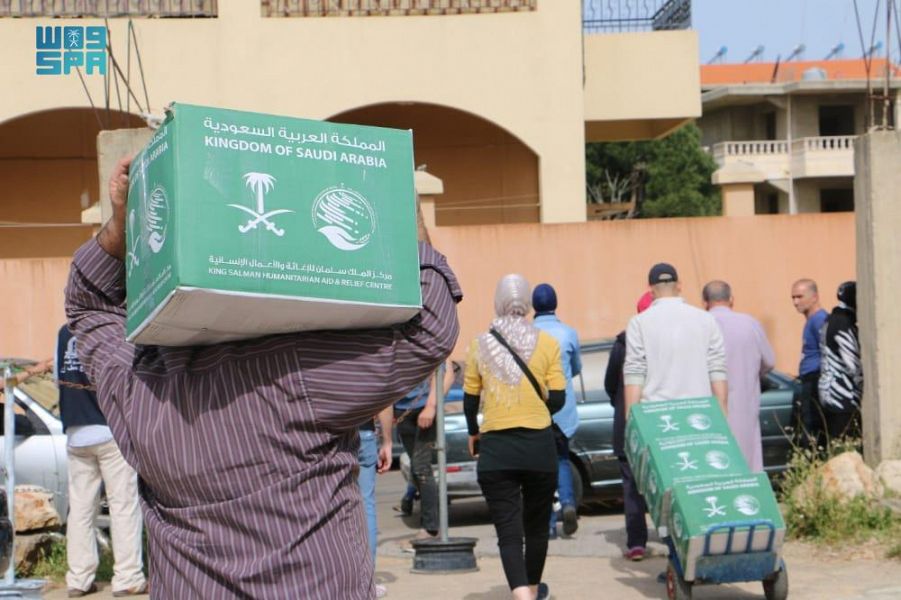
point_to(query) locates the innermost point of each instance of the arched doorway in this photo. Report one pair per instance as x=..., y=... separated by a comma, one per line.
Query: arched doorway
x=489, y=175
x=48, y=166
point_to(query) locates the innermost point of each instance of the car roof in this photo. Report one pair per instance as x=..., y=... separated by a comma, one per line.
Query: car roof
x=596, y=345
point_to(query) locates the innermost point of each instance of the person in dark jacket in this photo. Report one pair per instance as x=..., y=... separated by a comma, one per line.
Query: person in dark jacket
x=633, y=503
x=841, y=373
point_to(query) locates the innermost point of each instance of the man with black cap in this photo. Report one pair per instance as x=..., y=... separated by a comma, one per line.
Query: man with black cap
x=566, y=420
x=673, y=350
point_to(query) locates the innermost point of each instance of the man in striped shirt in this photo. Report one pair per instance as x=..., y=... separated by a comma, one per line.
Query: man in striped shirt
x=247, y=451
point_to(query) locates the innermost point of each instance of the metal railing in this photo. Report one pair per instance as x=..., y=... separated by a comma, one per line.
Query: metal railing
x=608, y=16
x=365, y=8
x=109, y=8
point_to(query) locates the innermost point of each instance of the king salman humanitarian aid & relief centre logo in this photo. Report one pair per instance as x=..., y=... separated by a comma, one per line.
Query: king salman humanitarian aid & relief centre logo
x=156, y=218
x=699, y=422
x=345, y=217
x=717, y=459
x=747, y=505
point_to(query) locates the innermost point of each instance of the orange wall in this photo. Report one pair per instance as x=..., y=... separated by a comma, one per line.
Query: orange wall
x=599, y=269
x=31, y=309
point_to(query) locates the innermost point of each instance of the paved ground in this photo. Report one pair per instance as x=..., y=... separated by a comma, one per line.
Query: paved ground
x=590, y=564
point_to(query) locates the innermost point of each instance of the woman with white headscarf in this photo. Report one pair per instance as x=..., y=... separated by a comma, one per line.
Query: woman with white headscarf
x=517, y=456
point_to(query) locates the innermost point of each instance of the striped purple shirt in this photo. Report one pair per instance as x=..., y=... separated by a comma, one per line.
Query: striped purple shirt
x=247, y=451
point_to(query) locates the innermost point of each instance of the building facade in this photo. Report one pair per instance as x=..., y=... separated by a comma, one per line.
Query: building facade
x=783, y=135
x=501, y=94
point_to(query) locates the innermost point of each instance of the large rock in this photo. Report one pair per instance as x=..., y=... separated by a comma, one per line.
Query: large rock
x=889, y=473
x=34, y=509
x=31, y=548
x=843, y=477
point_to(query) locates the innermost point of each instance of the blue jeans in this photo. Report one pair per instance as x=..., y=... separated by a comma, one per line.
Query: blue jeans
x=564, y=475
x=368, y=457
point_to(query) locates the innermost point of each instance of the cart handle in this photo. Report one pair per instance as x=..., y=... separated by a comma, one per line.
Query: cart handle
x=730, y=527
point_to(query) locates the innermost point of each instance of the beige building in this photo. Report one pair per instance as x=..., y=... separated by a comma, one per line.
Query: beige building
x=783, y=135
x=501, y=94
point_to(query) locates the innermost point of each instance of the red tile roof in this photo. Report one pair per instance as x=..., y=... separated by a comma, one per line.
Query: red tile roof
x=726, y=74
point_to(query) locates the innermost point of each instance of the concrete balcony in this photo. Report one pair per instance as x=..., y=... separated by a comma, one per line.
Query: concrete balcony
x=769, y=157
x=646, y=65
x=773, y=160
x=827, y=156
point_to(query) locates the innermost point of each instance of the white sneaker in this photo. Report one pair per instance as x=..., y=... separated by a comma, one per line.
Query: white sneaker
x=380, y=591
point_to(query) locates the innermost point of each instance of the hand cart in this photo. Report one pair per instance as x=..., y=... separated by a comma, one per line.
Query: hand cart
x=731, y=566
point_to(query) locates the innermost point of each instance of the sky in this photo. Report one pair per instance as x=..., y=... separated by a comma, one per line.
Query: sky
x=780, y=25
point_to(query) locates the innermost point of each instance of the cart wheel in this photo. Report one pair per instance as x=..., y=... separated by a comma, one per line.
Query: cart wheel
x=676, y=587
x=775, y=587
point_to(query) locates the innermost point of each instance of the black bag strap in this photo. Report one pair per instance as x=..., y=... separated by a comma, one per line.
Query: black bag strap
x=519, y=361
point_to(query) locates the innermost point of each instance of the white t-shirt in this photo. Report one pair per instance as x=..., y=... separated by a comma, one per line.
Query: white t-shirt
x=80, y=436
x=674, y=350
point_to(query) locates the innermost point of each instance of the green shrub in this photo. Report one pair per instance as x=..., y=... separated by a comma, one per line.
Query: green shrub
x=53, y=566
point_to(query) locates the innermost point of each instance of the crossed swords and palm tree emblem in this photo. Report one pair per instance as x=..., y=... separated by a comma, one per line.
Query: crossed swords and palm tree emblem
x=261, y=184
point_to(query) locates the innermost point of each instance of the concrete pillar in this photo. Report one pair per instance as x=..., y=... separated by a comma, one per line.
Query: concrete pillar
x=877, y=193
x=112, y=145
x=428, y=187
x=738, y=199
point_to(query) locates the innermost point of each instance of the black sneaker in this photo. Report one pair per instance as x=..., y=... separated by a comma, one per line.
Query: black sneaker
x=544, y=592
x=570, y=520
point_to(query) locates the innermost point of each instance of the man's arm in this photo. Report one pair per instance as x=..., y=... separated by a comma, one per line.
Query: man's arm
x=767, y=356
x=385, y=363
x=635, y=366
x=386, y=422
x=95, y=294
x=716, y=365
x=576, y=355
x=427, y=414
x=614, y=373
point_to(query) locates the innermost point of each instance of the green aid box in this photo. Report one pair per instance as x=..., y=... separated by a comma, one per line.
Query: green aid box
x=703, y=507
x=242, y=224
x=679, y=441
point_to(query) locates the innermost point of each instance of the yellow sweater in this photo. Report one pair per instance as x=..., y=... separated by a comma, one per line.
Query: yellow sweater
x=505, y=406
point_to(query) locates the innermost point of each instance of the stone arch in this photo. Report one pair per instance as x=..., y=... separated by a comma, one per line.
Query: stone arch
x=48, y=165
x=490, y=176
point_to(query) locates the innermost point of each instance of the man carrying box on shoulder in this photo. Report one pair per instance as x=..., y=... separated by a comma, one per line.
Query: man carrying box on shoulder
x=247, y=451
x=673, y=350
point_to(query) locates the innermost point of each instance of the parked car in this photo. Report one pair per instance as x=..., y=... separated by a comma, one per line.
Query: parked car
x=40, y=442
x=595, y=468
